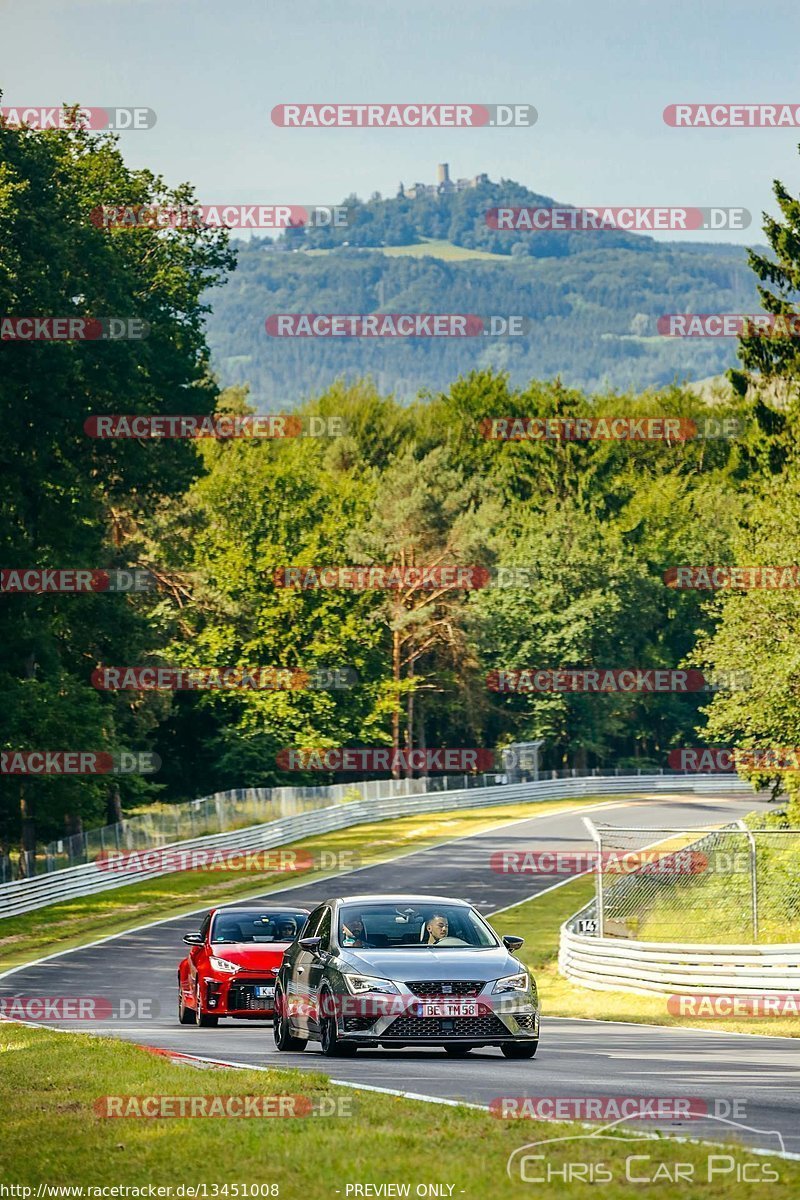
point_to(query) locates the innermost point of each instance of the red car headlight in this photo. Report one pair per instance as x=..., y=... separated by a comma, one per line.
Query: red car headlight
x=222, y=965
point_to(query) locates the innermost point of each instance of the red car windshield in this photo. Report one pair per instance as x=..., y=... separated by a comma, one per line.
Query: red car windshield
x=283, y=926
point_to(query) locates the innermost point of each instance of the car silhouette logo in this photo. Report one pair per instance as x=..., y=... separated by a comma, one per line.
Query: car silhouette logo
x=602, y=1134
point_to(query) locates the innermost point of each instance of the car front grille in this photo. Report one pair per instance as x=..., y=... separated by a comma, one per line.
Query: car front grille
x=446, y=987
x=487, y=1026
x=524, y=1020
x=243, y=995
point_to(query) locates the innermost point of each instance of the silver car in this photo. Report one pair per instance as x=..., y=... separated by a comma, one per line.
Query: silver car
x=404, y=971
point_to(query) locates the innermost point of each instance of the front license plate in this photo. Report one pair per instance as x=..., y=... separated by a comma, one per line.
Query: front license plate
x=265, y=993
x=449, y=1008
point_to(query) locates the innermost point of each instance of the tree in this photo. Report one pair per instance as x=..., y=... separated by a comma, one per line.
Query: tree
x=70, y=500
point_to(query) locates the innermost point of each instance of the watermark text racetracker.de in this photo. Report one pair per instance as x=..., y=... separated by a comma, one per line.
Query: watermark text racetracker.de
x=217, y=425
x=413, y=115
x=730, y=325
x=765, y=759
x=714, y=578
x=632, y=218
x=733, y=116
x=260, y=1107
x=597, y=680
x=72, y=329
x=707, y=1006
x=623, y=429
x=78, y=762
x=79, y=1008
x=280, y=861
x=109, y=117
x=221, y=216
x=346, y=759
x=613, y=1108
x=39, y=581
x=396, y=325
x=187, y=679
x=520, y=861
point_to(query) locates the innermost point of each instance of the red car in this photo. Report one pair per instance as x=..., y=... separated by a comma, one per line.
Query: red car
x=230, y=970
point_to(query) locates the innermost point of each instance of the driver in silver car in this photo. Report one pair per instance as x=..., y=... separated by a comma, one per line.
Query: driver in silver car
x=437, y=928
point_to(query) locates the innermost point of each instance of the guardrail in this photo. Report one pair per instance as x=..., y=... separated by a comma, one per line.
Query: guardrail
x=612, y=964
x=24, y=895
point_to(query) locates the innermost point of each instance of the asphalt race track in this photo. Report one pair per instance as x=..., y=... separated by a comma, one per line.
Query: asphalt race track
x=575, y=1058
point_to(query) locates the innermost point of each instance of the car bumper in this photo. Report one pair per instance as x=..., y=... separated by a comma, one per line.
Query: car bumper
x=236, y=997
x=490, y=1028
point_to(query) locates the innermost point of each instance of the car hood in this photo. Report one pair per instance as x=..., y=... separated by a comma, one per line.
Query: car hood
x=429, y=963
x=245, y=954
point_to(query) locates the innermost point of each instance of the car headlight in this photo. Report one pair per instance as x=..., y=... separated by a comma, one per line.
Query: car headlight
x=357, y=984
x=513, y=983
x=222, y=964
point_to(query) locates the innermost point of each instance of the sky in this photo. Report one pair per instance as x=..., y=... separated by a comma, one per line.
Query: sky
x=599, y=76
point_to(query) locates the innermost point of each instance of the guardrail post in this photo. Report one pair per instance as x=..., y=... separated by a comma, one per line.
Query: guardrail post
x=753, y=876
x=597, y=839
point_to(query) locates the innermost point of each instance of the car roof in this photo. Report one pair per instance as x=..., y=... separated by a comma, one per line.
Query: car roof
x=397, y=898
x=266, y=908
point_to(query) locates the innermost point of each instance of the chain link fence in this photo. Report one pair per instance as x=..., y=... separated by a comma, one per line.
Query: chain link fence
x=731, y=885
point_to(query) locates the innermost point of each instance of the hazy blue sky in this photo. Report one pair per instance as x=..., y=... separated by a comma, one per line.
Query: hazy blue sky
x=599, y=75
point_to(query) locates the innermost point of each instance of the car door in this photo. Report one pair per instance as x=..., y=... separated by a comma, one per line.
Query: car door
x=316, y=969
x=298, y=974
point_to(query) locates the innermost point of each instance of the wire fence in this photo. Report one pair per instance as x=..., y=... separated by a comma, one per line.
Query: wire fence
x=727, y=886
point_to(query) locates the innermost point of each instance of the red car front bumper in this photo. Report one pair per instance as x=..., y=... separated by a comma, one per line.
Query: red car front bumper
x=248, y=995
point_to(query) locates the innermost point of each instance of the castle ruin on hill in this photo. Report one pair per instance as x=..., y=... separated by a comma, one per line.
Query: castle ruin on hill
x=444, y=186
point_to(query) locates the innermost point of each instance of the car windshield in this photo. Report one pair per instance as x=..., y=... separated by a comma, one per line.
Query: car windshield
x=273, y=926
x=410, y=925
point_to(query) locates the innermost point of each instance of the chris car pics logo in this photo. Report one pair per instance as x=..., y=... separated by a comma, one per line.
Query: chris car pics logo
x=612, y=1154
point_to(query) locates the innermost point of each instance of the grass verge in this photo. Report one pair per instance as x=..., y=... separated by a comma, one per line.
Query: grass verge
x=74, y=922
x=539, y=921
x=52, y=1134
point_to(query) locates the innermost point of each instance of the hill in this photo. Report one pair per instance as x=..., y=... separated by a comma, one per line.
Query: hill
x=592, y=299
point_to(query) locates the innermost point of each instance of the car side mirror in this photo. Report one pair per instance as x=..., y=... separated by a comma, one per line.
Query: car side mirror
x=193, y=939
x=512, y=943
x=310, y=943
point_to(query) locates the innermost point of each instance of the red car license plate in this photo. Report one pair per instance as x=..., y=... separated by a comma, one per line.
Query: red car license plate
x=449, y=1008
x=265, y=993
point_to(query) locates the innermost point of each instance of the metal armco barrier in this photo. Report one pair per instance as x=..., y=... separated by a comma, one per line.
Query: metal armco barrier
x=612, y=964
x=24, y=895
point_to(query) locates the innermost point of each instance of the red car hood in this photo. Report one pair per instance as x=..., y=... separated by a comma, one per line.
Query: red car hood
x=245, y=954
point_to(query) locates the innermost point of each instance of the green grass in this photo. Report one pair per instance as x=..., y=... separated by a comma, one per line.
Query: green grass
x=85, y=918
x=539, y=921
x=51, y=1133
x=426, y=248
x=441, y=248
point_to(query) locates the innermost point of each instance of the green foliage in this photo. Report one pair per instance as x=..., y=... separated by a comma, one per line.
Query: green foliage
x=69, y=500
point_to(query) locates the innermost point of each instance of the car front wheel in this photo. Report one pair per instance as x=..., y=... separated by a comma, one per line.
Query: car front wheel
x=520, y=1049
x=185, y=1014
x=331, y=1045
x=284, y=1039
